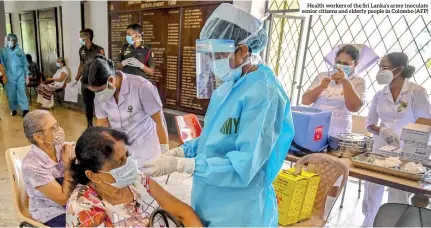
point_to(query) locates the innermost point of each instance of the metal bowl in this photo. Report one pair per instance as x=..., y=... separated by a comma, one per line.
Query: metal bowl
x=348, y=145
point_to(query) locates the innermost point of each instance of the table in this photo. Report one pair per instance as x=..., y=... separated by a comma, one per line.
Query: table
x=421, y=190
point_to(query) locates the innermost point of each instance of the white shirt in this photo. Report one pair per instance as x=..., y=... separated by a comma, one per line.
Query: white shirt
x=392, y=115
x=137, y=102
x=332, y=99
x=58, y=75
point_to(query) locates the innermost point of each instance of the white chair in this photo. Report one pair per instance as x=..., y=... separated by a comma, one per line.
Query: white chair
x=14, y=157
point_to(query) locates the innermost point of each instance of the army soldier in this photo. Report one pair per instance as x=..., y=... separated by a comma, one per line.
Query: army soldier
x=134, y=57
x=87, y=53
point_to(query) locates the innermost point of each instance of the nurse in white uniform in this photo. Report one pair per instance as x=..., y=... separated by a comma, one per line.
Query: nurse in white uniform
x=397, y=104
x=128, y=103
x=341, y=91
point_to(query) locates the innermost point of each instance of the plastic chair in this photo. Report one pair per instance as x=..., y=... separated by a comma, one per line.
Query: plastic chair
x=188, y=127
x=14, y=157
x=330, y=169
x=402, y=215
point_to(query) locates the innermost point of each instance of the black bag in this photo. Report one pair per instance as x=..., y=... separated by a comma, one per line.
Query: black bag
x=304, y=151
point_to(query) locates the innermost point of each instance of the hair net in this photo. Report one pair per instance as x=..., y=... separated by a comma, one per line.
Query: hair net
x=232, y=23
x=367, y=57
x=34, y=123
x=12, y=36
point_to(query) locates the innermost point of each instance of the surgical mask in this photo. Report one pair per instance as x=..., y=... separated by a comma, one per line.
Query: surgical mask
x=106, y=94
x=130, y=40
x=347, y=69
x=385, y=77
x=222, y=71
x=58, y=65
x=82, y=41
x=125, y=175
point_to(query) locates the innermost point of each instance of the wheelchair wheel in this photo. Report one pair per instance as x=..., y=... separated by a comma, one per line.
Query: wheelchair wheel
x=25, y=224
x=161, y=218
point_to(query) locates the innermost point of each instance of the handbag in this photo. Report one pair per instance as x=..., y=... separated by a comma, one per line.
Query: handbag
x=71, y=92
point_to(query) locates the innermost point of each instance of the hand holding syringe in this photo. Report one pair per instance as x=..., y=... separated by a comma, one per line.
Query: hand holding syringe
x=339, y=76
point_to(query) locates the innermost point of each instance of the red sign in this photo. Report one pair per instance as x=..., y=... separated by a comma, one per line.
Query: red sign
x=318, y=133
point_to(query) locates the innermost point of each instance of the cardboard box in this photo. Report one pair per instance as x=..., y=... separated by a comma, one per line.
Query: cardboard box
x=416, y=151
x=390, y=151
x=313, y=181
x=290, y=190
x=417, y=133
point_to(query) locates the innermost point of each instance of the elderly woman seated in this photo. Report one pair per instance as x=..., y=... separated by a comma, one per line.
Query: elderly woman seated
x=113, y=191
x=45, y=91
x=47, y=181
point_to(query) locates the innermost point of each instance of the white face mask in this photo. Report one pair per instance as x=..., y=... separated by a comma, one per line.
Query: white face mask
x=106, y=94
x=385, y=77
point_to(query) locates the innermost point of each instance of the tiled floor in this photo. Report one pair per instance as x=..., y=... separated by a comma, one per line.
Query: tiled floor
x=11, y=135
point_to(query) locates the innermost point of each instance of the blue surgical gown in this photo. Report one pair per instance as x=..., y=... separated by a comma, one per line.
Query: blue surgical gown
x=16, y=68
x=247, y=134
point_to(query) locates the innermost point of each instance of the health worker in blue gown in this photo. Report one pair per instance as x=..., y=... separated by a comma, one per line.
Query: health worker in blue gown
x=247, y=133
x=17, y=73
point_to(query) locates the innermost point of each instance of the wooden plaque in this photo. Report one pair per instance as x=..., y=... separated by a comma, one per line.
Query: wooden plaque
x=117, y=31
x=170, y=30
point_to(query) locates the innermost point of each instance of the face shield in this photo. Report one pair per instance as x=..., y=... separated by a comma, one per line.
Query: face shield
x=212, y=58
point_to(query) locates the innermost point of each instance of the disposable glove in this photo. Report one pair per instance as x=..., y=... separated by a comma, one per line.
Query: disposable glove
x=165, y=165
x=136, y=63
x=176, y=152
x=126, y=62
x=164, y=148
x=390, y=137
x=27, y=80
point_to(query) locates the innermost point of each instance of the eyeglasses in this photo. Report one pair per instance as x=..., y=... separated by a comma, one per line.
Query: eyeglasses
x=55, y=127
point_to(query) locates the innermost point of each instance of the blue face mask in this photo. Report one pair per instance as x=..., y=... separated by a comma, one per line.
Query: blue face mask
x=125, y=175
x=58, y=65
x=222, y=71
x=347, y=69
x=130, y=40
x=82, y=41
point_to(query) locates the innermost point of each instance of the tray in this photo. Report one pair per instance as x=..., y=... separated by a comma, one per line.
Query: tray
x=361, y=162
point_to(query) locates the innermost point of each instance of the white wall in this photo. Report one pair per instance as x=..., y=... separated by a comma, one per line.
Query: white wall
x=255, y=7
x=71, y=28
x=96, y=18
